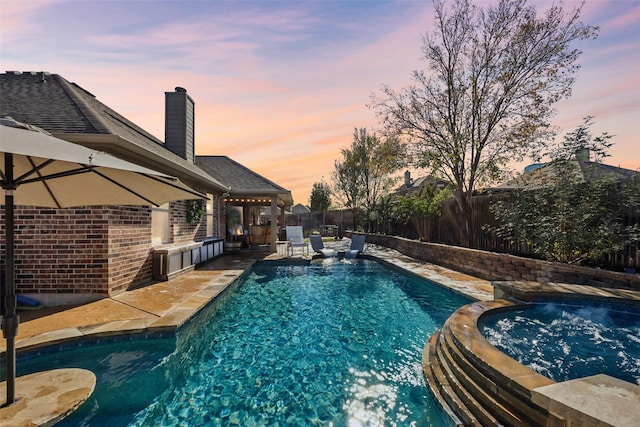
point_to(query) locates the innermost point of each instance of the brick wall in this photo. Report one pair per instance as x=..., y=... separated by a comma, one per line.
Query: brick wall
x=75, y=255
x=181, y=230
x=60, y=250
x=129, y=247
x=496, y=266
x=214, y=210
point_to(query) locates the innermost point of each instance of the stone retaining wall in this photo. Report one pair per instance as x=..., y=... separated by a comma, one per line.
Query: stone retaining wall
x=497, y=266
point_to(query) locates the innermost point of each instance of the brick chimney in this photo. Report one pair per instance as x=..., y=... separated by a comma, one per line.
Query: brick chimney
x=179, y=124
x=583, y=154
x=407, y=179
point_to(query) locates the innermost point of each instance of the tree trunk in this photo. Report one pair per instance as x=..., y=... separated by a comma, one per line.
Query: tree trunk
x=468, y=232
x=354, y=213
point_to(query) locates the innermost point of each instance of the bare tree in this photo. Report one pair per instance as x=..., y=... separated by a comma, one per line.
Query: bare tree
x=487, y=94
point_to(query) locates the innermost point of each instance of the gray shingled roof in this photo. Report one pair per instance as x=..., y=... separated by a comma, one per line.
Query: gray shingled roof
x=240, y=179
x=587, y=170
x=416, y=185
x=66, y=110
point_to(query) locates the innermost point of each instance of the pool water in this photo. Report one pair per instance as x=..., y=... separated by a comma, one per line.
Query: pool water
x=565, y=342
x=331, y=344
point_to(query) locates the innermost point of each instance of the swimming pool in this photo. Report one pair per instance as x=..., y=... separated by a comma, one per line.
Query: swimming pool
x=567, y=341
x=335, y=343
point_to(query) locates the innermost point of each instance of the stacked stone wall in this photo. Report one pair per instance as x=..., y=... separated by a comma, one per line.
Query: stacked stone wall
x=497, y=266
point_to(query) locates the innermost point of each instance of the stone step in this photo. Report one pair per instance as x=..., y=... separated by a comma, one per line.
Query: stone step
x=436, y=381
x=490, y=401
x=460, y=386
x=513, y=382
x=503, y=403
x=478, y=383
x=500, y=368
x=439, y=384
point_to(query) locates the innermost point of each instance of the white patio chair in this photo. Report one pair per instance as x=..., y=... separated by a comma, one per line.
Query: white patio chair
x=295, y=236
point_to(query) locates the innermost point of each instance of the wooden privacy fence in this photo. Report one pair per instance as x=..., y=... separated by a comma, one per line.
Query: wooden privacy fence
x=448, y=229
x=317, y=221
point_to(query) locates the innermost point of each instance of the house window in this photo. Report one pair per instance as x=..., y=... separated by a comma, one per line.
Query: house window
x=160, y=224
x=210, y=216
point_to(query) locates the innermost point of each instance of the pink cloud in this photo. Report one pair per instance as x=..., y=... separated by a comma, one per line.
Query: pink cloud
x=288, y=115
x=18, y=18
x=629, y=18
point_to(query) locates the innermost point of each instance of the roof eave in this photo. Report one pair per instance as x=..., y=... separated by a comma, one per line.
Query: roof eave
x=121, y=147
x=285, y=197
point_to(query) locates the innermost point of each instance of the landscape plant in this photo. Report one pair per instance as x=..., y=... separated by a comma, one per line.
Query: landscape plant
x=572, y=211
x=366, y=172
x=320, y=198
x=421, y=208
x=195, y=211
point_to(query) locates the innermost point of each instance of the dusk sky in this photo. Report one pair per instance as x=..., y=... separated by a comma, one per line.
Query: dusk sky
x=279, y=86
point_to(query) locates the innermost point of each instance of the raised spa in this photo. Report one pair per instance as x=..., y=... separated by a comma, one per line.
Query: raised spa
x=569, y=340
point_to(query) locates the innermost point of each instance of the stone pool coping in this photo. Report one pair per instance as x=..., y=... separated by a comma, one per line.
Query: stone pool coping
x=44, y=398
x=534, y=291
x=166, y=306
x=598, y=400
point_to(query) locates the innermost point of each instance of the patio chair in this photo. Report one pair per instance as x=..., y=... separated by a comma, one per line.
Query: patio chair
x=318, y=246
x=356, y=247
x=295, y=237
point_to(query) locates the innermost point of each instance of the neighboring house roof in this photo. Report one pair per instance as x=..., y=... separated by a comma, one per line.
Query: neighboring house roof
x=241, y=180
x=300, y=208
x=585, y=170
x=410, y=186
x=72, y=113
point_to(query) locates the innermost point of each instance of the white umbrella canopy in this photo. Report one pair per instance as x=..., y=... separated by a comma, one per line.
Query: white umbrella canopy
x=50, y=172
x=37, y=169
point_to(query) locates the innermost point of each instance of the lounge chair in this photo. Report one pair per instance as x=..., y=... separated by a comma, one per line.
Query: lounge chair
x=295, y=237
x=318, y=246
x=357, y=246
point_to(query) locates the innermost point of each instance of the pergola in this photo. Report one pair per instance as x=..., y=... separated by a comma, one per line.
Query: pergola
x=257, y=219
x=254, y=205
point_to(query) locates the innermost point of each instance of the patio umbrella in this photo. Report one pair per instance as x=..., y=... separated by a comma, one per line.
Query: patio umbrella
x=37, y=169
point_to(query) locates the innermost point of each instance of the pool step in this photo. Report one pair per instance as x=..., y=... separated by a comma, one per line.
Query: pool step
x=475, y=381
x=480, y=398
x=514, y=397
x=454, y=384
x=441, y=389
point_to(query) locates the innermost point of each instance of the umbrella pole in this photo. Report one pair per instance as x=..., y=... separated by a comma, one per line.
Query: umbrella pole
x=10, y=319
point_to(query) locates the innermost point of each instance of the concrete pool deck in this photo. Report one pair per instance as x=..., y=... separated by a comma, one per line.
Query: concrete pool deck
x=167, y=306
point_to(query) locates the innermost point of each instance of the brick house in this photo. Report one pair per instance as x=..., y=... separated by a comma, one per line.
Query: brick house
x=77, y=255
